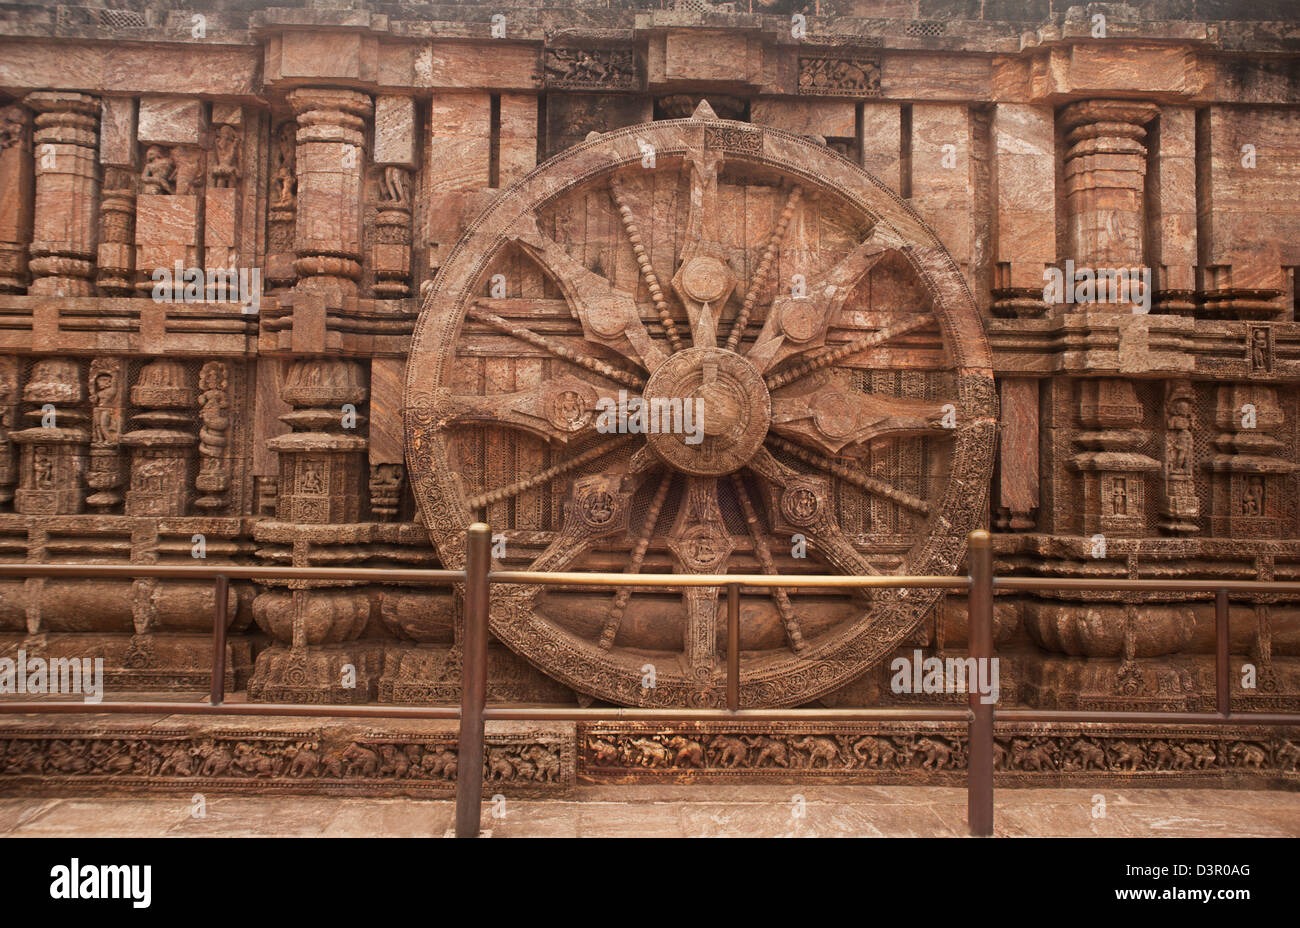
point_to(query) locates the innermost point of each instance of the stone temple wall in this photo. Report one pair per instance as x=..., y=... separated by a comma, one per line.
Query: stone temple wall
x=327, y=158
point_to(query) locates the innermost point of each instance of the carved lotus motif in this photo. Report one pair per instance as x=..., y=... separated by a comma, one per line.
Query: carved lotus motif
x=328, y=616
x=1097, y=629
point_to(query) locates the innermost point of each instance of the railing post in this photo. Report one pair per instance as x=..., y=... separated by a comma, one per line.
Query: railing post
x=1222, y=685
x=473, y=682
x=733, y=646
x=221, y=597
x=979, y=782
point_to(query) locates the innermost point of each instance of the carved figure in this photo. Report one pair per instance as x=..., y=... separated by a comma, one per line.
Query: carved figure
x=1088, y=756
x=1127, y=755
x=1202, y=755
x=226, y=171
x=603, y=752
x=1028, y=756
x=1246, y=755
x=499, y=765
x=823, y=749
x=652, y=753
x=360, y=761
x=728, y=751
x=875, y=752
x=159, y=174
x=688, y=753
x=396, y=186
x=937, y=755
x=771, y=751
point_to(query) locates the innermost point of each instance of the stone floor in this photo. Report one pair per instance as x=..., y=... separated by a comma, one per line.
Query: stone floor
x=680, y=811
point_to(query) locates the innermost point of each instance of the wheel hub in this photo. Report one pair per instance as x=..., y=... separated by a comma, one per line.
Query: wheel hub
x=724, y=401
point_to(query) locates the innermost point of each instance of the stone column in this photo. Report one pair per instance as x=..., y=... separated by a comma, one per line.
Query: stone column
x=162, y=441
x=330, y=160
x=118, y=155
x=390, y=253
x=1105, y=181
x=15, y=196
x=67, y=193
x=53, y=469
x=1105, y=186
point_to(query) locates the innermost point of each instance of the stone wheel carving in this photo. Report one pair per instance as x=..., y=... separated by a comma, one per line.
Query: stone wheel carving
x=829, y=340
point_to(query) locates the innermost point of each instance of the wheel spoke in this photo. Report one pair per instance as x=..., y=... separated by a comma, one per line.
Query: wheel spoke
x=836, y=416
x=869, y=484
x=848, y=349
x=597, y=507
x=562, y=351
x=704, y=280
x=793, y=633
x=536, y=480
x=615, y=618
x=608, y=315
x=633, y=230
x=798, y=324
x=561, y=411
x=701, y=545
x=764, y=269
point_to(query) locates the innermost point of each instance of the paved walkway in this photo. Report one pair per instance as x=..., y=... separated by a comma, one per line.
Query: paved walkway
x=680, y=811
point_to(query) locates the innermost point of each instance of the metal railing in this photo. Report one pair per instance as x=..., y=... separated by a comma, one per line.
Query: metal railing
x=981, y=586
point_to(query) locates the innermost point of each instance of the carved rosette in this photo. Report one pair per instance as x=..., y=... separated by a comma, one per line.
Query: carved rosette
x=805, y=429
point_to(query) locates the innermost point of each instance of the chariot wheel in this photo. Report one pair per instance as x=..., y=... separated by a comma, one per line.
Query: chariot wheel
x=827, y=345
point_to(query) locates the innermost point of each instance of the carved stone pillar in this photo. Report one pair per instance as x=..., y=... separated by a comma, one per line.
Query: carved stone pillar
x=15, y=196
x=1105, y=181
x=330, y=162
x=282, y=209
x=390, y=253
x=163, y=441
x=1105, y=184
x=108, y=403
x=1113, y=469
x=67, y=193
x=1247, y=475
x=322, y=462
x=118, y=153
x=1178, y=505
x=8, y=416
x=54, y=447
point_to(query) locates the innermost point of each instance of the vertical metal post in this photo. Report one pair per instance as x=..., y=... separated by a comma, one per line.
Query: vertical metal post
x=221, y=596
x=733, y=646
x=1222, y=685
x=473, y=682
x=979, y=782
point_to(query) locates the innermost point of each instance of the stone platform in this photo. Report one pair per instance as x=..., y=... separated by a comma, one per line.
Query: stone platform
x=678, y=811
